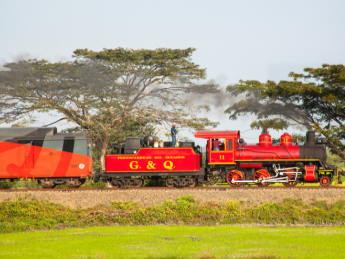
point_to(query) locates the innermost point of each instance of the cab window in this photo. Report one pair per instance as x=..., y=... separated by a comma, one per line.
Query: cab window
x=217, y=144
x=229, y=144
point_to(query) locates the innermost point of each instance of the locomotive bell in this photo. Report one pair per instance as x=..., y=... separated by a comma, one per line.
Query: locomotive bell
x=285, y=139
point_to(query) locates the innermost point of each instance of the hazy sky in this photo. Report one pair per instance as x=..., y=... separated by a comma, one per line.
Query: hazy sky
x=234, y=39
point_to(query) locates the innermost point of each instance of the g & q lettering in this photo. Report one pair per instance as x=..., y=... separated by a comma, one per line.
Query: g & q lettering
x=134, y=165
x=168, y=165
x=151, y=165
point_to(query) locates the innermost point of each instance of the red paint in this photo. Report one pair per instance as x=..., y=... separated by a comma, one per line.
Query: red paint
x=310, y=173
x=264, y=151
x=274, y=152
x=155, y=160
x=234, y=175
x=261, y=174
x=265, y=140
x=251, y=165
x=28, y=161
x=285, y=139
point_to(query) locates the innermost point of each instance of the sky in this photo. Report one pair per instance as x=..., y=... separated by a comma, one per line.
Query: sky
x=248, y=40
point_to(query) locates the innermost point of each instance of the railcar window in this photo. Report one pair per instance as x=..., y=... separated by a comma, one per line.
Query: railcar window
x=89, y=148
x=38, y=143
x=53, y=144
x=80, y=147
x=68, y=145
x=229, y=144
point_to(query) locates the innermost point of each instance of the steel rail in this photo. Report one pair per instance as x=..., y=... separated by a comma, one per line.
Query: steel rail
x=174, y=188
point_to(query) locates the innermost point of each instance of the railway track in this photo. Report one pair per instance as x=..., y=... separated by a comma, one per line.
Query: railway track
x=171, y=188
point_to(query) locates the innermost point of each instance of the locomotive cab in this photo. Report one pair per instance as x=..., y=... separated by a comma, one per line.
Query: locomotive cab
x=221, y=146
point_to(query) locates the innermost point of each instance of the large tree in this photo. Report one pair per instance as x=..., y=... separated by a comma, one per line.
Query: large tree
x=315, y=99
x=104, y=91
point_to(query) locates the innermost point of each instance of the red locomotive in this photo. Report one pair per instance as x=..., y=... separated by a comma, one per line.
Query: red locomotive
x=228, y=158
x=44, y=155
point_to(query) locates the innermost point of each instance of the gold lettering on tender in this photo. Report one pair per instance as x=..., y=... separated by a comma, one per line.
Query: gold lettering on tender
x=175, y=157
x=168, y=165
x=151, y=165
x=134, y=165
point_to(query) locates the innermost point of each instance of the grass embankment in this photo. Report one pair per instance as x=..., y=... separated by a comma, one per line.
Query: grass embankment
x=172, y=242
x=21, y=215
x=22, y=184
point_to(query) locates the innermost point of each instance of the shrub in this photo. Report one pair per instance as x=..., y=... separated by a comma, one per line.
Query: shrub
x=21, y=215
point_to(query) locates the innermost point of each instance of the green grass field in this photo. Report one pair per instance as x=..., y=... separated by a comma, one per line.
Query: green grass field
x=177, y=242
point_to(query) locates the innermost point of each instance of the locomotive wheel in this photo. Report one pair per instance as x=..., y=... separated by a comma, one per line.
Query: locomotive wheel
x=234, y=175
x=138, y=182
x=195, y=183
x=74, y=183
x=261, y=174
x=169, y=184
x=291, y=183
x=116, y=183
x=325, y=181
x=47, y=184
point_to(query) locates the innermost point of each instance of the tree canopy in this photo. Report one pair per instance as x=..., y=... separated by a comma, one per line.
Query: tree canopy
x=315, y=99
x=106, y=91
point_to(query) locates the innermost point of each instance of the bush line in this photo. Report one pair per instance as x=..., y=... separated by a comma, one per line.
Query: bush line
x=23, y=215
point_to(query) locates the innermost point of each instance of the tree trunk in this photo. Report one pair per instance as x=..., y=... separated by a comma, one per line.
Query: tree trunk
x=337, y=150
x=104, y=149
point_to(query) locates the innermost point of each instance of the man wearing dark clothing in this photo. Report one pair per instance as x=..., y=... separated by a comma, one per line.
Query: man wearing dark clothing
x=215, y=144
x=207, y=146
x=173, y=135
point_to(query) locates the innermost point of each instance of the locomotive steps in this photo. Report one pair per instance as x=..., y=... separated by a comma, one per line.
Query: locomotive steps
x=149, y=196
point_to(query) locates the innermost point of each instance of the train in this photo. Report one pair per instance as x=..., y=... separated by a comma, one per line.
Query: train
x=54, y=158
x=42, y=154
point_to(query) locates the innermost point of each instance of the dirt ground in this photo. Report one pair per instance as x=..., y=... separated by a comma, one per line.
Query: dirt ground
x=87, y=198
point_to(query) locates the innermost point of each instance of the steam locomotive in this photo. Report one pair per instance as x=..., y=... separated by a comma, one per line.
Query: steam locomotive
x=232, y=161
x=54, y=158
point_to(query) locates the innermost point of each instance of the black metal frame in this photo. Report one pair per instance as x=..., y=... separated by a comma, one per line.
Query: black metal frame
x=201, y=172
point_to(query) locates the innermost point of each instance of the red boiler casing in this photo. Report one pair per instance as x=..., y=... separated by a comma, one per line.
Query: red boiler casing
x=266, y=151
x=155, y=160
x=274, y=152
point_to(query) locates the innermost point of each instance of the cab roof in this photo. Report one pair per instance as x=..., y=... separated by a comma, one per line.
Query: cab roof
x=218, y=134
